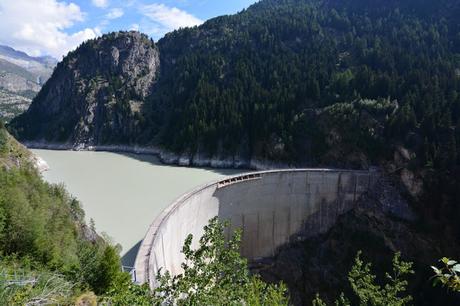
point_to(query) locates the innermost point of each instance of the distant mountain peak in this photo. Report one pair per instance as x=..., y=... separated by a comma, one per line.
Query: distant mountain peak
x=21, y=77
x=17, y=54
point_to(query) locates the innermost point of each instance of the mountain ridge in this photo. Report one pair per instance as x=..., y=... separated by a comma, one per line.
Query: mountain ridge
x=21, y=78
x=308, y=83
x=100, y=86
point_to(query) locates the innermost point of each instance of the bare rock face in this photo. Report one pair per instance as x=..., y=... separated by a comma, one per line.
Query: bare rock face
x=15, y=83
x=383, y=223
x=96, y=94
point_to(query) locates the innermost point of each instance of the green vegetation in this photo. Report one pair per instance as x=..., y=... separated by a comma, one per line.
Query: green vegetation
x=21, y=284
x=214, y=274
x=368, y=292
x=305, y=82
x=43, y=236
x=42, y=222
x=343, y=83
x=448, y=275
x=251, y=76
x=51, y=256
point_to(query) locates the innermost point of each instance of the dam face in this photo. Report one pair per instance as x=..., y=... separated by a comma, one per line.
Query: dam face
x=272, y=208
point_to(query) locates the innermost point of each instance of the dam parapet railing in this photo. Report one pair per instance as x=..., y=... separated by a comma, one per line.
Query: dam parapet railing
x=271, y=207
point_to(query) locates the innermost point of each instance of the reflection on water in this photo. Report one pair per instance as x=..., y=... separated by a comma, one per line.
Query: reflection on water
x=123, y=193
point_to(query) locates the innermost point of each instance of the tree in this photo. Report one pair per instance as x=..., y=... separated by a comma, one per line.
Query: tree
x=216, y=274
x=368, y=292
x=124, y=292
x=448, y=275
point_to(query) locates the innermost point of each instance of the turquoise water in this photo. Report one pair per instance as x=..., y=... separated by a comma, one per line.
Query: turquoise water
x=123, y=193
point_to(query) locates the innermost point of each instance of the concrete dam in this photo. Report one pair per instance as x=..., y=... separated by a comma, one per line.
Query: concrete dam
x=272, y=208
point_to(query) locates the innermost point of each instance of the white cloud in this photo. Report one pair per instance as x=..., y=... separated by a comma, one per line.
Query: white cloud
x=169, y=18
x=100, y=3
x=114, y=13
x=37, y=27
x=134, y=27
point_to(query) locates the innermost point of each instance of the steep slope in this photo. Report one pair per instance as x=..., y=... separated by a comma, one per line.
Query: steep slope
x=40, y=68
x=256, y=82
x=21, y=78
x=273, y=81
x=44, y=237
x=303, y=82
x=96, y=93
x=322, y=263
x=12, y=105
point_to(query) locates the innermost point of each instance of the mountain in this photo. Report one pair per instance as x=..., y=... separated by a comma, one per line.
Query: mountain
x=21, y=78
x=330, y=83
x=40, y=67
x=97, y=92
x=273, y=82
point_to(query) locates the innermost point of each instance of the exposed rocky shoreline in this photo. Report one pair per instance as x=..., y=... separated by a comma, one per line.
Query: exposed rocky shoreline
x=166, y=157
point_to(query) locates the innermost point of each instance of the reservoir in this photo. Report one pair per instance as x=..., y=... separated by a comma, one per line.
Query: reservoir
x=123, y=193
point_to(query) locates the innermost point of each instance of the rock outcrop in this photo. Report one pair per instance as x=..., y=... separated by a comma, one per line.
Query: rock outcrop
x=96, y=93
x=381, y=225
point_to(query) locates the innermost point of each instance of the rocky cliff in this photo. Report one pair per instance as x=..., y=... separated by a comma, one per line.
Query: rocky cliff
x=380, y=225
x=346, y=84
x=96, y=94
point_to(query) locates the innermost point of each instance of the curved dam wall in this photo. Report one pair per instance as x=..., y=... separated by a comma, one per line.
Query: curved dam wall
x=272, y=208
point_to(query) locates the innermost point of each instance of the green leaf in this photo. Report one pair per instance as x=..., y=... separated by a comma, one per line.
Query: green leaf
x=456, y=268
x=451, y=262
x=436, y=270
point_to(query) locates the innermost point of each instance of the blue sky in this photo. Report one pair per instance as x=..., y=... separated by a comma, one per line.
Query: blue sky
x=54, y=27
x=134, y=12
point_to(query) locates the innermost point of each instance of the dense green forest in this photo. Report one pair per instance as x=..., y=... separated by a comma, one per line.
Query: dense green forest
x=334, y=83
x=306, y=82
x=321, y=83
x=263, y=82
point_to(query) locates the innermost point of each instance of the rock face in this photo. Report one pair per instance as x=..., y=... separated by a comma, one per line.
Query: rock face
x=96, y=93
x=379, y=226
x=16, y=83
x=20, y=72
x=12, y=104
x=21, y=78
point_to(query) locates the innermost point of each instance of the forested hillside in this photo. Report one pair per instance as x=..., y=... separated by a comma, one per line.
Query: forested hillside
x=301, y=81
x=48, y=255
x=333, y=83
x=268, y=80
x=324, y=83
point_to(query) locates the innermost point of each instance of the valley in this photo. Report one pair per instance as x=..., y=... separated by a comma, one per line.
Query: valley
x=21, y=78
x=123, y=193
x=359, y=87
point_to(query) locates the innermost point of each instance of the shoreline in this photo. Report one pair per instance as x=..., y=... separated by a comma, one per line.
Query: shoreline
x=166, y=157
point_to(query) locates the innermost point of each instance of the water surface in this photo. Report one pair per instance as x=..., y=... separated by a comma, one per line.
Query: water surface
x=123, y=193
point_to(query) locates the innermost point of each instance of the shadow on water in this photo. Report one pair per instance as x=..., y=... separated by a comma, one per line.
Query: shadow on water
x=130, y=257
x=154, y=160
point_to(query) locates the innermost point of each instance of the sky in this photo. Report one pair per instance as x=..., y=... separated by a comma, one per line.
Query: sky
x=55, y=27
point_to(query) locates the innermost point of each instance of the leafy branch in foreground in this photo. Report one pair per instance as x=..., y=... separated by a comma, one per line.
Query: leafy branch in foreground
x=449, y=275
x=368, y=292
x=216, y=274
